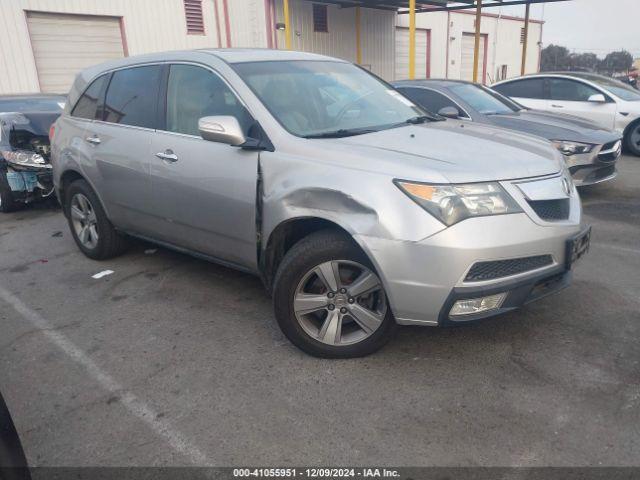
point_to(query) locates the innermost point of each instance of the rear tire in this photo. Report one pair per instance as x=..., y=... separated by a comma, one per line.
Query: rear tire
x=91, y=229
x=7, y=203
x=632, y=139
x=356, y=320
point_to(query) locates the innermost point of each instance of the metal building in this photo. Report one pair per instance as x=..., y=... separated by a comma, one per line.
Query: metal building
x=46, y=42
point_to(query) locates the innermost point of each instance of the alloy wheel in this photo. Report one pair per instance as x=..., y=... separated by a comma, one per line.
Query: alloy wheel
x=340, y=302
x=85, y=222
x=635, y=137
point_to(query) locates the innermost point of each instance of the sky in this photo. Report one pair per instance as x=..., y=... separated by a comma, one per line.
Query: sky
x=597, y=26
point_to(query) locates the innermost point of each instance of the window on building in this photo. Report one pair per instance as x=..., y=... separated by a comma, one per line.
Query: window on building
x=132, y=96
x=320, y=18
x=195, y=19
x=90, y=99
x=194, y=92
x=528, y=88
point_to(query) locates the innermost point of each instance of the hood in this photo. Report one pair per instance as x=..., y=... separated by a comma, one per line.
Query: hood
x=453, y=151
x=554, y=126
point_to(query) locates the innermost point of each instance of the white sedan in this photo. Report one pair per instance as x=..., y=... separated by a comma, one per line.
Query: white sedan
x=607, y=102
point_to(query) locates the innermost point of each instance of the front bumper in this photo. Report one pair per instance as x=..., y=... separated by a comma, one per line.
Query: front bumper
x=595, y=167
x=423, y=279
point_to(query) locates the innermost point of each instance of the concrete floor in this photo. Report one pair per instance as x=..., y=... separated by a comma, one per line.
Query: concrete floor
x=174, y=361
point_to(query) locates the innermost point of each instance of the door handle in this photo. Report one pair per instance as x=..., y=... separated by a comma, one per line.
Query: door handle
x=94, y=140
x=168, y=156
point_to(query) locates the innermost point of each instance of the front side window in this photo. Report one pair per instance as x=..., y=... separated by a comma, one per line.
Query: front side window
x=482, y=99
x=88, y=104
x=526, y=88
x=619, y=89
x=194, y=92
x=570, y=90
x=430, y=100
x=315, y=98
x=132, y=96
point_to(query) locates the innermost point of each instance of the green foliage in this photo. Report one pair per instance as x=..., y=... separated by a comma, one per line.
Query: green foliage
x=558, y=58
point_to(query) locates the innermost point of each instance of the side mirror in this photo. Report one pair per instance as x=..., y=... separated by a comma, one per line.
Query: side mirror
x=597, y=98
x=221, y=129
x=449, y=112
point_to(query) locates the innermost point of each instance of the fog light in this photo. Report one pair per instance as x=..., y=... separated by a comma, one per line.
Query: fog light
x=477, y=305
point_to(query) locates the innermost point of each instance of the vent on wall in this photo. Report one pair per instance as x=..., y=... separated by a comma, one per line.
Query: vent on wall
x=522, y=35
x=320, y=21
x=195, y=19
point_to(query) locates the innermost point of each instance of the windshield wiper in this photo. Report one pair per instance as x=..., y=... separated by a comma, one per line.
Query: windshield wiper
x=422, y=119
x=343, y=132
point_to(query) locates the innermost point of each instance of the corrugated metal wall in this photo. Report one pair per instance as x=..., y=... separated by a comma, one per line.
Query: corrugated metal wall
x=150, y=25
x=377, y=29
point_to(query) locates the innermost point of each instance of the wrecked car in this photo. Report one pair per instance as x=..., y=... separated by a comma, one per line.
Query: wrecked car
x=25, y=171
x=358, y=210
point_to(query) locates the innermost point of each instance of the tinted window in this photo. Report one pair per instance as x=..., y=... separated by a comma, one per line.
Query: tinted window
x=194, y=92
x=483, y=100
x=430, y=100
x=528, y=88
x=570, y=90
x=88, y=103
x=132, y=96
x=625, y=92
x=22, y=105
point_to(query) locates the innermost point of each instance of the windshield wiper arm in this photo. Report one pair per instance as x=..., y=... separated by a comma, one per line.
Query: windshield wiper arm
x=343, y=132
x=422, y=119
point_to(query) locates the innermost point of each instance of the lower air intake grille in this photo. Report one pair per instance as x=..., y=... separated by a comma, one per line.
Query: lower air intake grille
x=504, y=268
x=551, y=209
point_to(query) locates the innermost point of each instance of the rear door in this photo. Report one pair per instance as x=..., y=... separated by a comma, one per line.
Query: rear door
x=530, y=92
x=205, y=192
x=572, y=97
x=120, y=141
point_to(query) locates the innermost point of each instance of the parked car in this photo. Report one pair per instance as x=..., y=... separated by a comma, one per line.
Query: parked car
x=25, y=171
x=607, y=102
x=590, y=150
x=356, y=208
x=13, y=463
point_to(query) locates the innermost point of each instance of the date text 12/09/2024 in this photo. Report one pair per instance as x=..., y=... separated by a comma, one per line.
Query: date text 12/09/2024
x=319, y=473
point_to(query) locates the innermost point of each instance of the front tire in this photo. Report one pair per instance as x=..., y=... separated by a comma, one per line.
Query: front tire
x=632, y=140
x=7, y=203
x=329, y=300
x=91, y=229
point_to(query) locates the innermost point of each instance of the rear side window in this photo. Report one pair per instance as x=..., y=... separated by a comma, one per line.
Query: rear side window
x=527, y=88
x=570, y=90
x=89, y=101
x=132, y=96
x=431, y=100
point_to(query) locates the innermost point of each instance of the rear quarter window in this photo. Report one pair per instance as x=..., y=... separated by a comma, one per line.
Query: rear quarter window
x=87, y=105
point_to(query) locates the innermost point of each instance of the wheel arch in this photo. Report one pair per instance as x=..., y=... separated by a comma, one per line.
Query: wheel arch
x=66, y=179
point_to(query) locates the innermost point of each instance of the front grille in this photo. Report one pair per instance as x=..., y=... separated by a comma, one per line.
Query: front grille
x=611, y=155
x=551, y=209
x=609, y=146
x=504, y=268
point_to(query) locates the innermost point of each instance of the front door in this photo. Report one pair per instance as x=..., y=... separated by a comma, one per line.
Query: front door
x=205, y=192
x=572, y=97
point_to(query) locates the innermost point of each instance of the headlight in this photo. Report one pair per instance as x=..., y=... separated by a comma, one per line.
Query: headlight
x=572, y=148
x=453, y=203
x=26, y=159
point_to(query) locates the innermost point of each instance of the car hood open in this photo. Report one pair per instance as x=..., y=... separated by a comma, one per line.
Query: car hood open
x=554, y=126
x=454, y=151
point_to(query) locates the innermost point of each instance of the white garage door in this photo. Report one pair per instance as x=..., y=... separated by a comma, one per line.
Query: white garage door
x=402, y=53
x=466, y=66
x=65, y=44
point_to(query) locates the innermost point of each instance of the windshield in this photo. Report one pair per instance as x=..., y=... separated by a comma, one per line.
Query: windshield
x=484, y=100
x=619, y=89
x=312, y=98
x=23, y=105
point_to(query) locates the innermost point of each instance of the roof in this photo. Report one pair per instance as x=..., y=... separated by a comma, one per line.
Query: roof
x=241, y=55
x=32, y=96
x=428, y=5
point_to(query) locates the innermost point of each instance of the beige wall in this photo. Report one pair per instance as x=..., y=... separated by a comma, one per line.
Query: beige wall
x=377, y=35
x=503, y=38
x=150, y=25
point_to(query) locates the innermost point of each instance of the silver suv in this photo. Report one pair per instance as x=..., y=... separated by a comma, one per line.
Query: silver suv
x=357, y=209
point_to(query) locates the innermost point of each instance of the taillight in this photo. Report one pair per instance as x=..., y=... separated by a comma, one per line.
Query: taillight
x=52, y=131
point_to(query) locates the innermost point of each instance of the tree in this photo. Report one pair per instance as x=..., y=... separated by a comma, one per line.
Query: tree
x=555, y=57
x=616, y=62
x=584, y=61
